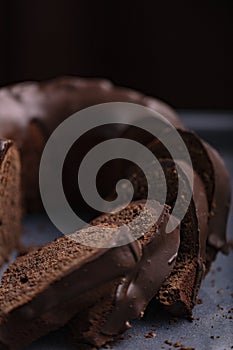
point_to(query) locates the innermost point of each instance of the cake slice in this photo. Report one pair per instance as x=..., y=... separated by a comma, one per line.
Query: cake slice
x=10, y=199
x=178, y=293
x=64, y=280
x=44, y=289
x=210, y=167
x=211, y=194
x=129, y=299
x=208, y=164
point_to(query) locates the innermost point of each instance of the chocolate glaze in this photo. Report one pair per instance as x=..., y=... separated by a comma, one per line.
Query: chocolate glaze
x=220, y=202
x=50, y=103
x=70, y=94
x=200, y=214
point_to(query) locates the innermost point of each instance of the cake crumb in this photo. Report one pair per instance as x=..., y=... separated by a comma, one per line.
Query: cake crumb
x=122, y=337
x=86, y=347
x=230, y=243
x=177, y=344
x=168, y=342
x=212, y=283
x=199, y=301
x=150, y=335
x=220, y=291
x=173, y=320
x=215, y=336
x=220, y=307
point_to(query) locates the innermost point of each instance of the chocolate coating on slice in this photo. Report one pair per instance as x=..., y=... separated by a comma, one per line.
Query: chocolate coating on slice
x=221, y=201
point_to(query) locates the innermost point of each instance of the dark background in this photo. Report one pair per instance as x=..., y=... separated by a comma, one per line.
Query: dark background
x=179, y=51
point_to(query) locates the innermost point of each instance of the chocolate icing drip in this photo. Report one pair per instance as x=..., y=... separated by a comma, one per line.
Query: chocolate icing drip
x=200, y=212
x=220, y=202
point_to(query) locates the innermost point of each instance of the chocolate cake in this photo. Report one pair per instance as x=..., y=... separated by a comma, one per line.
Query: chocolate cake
x=44, y=289
x=38, y=293
x=219, y=197
x=129, y=299
x=178, y=293
x=210, y=167
x=98, y=291
x=30, y=112
x=10, y=197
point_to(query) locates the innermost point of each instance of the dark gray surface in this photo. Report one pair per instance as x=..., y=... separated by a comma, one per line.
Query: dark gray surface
x=212, y=317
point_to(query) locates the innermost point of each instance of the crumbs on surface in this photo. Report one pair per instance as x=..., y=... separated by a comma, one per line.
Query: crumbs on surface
x=150, y=335
x=177, y=345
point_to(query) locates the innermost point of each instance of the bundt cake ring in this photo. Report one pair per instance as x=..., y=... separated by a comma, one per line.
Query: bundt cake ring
x=58, y=284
